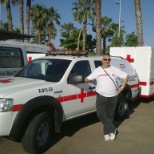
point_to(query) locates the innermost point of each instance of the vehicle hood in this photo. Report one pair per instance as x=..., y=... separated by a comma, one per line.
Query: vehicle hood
x=14, y=84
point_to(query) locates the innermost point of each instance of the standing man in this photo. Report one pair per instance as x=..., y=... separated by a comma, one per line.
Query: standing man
x=107, y=94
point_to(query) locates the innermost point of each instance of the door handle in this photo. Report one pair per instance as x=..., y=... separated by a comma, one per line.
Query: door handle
x=91, y=87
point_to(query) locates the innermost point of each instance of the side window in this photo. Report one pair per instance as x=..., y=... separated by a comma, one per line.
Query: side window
x=10, y=57
x=98, y=63
x=82, y=68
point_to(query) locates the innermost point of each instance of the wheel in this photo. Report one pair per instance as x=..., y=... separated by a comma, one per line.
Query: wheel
x=121, y=108
x=37, y=137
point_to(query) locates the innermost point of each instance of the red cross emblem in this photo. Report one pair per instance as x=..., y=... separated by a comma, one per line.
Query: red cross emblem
x=131, y=60
x=5, y=81
x=82, y=95
x=29, y=59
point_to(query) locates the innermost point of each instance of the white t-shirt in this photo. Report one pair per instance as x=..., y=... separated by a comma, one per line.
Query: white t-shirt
x=105, y=85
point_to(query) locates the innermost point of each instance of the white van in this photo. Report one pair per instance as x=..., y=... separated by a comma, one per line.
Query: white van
x=15, y=55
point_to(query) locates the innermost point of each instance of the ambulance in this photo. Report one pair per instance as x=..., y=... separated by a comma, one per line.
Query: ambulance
x=142, y=59
x=14, y=55
x=51, y=90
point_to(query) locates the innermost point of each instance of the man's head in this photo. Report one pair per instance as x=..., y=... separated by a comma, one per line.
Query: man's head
x=106, y=60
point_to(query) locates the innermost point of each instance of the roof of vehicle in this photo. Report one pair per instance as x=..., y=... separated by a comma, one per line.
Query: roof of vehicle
x=27, y=46
x=5, y=35
x=73, y=56
x=74, y=53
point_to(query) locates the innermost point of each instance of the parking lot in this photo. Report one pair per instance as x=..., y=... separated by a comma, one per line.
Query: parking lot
x=84, y=135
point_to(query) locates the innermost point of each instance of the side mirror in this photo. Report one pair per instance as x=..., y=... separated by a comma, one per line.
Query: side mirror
x=75, y=78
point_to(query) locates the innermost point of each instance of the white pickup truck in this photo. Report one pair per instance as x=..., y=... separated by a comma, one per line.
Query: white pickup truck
x=15, y=55
x=51, y=90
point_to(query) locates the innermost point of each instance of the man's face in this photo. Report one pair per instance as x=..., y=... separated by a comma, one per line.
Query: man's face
x=106, y=60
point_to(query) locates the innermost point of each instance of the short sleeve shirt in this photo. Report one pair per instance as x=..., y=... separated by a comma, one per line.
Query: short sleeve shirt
x=105, y=85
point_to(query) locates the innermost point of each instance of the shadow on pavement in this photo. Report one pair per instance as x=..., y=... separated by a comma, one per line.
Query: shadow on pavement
x=72, y=126
x=146, y=100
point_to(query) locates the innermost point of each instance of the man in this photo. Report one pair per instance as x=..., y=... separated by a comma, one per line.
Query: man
x=107, y=94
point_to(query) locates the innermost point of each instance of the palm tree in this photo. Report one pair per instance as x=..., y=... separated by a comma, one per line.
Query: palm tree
x=28, y=6
x=21, y=12
x=67, y=27
x=9, y=15
x=83, y=11
x=4, y=26
x=138, y=13
x=107, y=31
x=21, y=16
x=98, y=26
x=39, y=19
x=52, y=16
x=114, y=38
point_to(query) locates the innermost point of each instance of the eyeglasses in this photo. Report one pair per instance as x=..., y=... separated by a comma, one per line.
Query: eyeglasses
x=107, y=59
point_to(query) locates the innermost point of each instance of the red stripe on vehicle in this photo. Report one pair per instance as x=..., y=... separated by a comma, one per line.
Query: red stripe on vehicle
x=60, y=99
x=93, y=93
x=146, y=83
x=143, y=83
x=80, y=96
x=17, y=107
x=70, y=97
x=134, y=85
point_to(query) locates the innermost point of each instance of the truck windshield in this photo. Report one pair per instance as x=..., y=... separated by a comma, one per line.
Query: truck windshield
x=45, y=69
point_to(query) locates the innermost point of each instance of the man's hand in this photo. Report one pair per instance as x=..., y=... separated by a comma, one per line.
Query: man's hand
x=120, y=89
x=86, y=79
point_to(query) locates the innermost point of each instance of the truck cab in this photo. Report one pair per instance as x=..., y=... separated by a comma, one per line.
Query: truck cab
x=15, y=55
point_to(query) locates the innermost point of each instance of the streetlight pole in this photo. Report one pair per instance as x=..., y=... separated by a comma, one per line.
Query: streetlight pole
x=119, y=3
x=80, y=34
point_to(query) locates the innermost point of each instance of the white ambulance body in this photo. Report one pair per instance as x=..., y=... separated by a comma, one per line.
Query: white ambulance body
x=14, y=55
x=142, y=59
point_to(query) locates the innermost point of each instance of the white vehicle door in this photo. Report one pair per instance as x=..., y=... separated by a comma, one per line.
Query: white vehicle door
x=79, y=99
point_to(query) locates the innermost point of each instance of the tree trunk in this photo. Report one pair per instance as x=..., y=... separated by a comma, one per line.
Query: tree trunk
x=28, y=15
x=84, y=36
x=21, y=16
x=9, y=16
x=138, y=13
x=39, y=37
x=49, y=36
x=98, y=26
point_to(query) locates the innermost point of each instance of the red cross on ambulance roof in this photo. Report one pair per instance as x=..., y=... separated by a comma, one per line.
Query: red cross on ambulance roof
x=128, y=57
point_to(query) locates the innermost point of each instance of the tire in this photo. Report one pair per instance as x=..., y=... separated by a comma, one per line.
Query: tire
x=37, y=137
x=122, y=108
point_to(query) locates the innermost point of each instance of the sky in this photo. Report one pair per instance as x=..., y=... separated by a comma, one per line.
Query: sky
x=109, y=9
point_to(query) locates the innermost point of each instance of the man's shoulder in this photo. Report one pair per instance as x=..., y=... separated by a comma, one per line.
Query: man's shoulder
x=98, y=68
x=113, y=67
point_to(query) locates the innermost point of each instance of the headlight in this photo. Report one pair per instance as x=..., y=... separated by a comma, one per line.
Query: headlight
x=6, y=104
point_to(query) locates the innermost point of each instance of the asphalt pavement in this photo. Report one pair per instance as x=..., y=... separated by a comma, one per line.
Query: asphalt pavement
x=84, y=135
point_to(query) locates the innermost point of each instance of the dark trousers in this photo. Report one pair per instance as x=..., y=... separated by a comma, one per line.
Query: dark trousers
x=105, y=107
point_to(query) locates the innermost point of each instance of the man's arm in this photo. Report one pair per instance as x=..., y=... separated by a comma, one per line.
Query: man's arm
x=124, y=82
x=86, y=79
